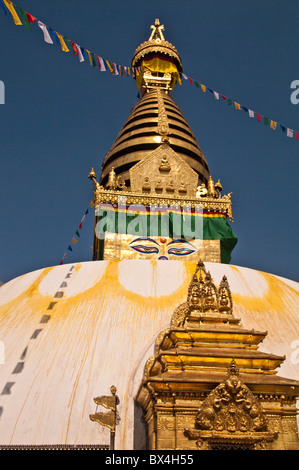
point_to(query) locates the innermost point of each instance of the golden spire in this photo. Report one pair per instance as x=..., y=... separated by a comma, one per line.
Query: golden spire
x=157, y=30
x=159, y=61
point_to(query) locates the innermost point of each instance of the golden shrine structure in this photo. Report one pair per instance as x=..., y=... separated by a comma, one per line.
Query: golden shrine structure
x=202, y=353
x=207, y=386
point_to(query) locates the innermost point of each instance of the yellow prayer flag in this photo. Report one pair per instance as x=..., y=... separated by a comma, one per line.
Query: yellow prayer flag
x=203, y=87
x=13, y=12
x=273, y=124
x=74, y=240
x=90, y=59
x=110, y=66
x=62, y=43
x=237, y=106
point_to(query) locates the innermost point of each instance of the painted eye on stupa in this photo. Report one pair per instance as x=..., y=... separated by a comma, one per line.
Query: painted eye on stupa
x=148, y=250
x=180, y=251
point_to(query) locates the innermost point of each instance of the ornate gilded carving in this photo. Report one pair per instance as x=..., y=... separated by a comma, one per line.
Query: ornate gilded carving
x=156, y=43
x=231, y=414
x=163, y=128
x=204, y=298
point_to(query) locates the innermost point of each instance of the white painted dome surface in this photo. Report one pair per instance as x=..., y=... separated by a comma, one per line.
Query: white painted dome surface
x=70, y=332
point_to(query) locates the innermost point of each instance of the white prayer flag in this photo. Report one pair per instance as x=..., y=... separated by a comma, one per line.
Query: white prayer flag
x=251, y=113
x=103, y=68
x=81, y=58
x=185, y=76
x=289, y=133
x=115, y=68
x=47, y=36
x=216, y=95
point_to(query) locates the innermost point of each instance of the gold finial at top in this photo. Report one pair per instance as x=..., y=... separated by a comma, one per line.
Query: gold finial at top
x=92, y=174
x=157, y=30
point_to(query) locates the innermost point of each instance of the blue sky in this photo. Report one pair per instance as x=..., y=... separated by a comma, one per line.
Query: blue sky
x=61, y=117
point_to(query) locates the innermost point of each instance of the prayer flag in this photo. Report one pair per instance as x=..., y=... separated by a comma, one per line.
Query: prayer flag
x=81, y=58
x=68, y=42
x=223, y=97
x=185, y=76
x=30, y=18
x=273, y=125
x=216, y=95
x=13, y=12
x=266, y=121
x=64, y=256
x=196, y=84
x=258, y=117
x=115, y=68
x=229, y=102
x=70, y=248
x=54, y=35
x=75, y=48
x=251, y=113
x=237, y=106
x=283, y=128
x=74, y=240
x=109, y=65
x=101, y=64
x=80, y=225
x=289, y=133
x=90, y=60
x=77, y=233
x=62, y=43
x=297, y=135
x=93, y=60
x=22, y=13
x=203, y=87
x=47, y=36
x=190, y=80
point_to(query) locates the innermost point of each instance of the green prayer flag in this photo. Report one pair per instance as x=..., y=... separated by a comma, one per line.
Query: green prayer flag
x=24, y=18
x=266, y=121
x=197, y=84
x=69, y=43
x=77, y=233
x=229, y=102
x=93, y=60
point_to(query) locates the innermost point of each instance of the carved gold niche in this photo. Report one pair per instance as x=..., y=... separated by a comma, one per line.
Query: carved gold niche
x=231, y=417
x=163, y=172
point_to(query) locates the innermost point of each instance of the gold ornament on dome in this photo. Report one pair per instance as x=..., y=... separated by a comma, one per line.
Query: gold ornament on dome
x=231, y=416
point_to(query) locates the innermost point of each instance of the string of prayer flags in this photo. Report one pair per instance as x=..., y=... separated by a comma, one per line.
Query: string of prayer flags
x=74, y=240
x=50, y=35
x=259, y=117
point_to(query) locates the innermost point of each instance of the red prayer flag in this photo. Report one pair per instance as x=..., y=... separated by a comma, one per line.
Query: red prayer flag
x=224, y=97
x=75, y=48
x=297, y=135
x=258, y=117
x=30, y=17
x=80, y=225
x=190, y=80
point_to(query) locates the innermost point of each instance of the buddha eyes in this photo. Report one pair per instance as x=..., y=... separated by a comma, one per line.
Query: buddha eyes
x=148, y=250
x=145, y=249
x=180, y=251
